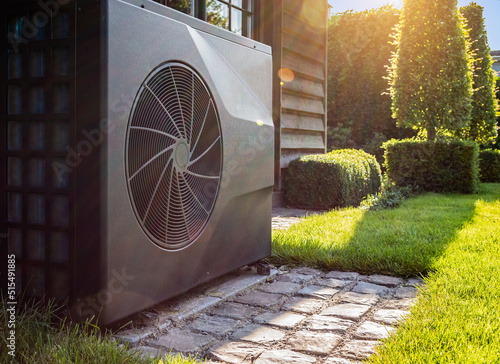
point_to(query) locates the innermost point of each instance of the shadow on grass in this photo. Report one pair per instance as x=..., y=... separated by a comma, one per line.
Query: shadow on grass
x=405, y=241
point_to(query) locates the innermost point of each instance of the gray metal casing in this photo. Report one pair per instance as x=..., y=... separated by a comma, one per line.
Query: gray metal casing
x=135, y=272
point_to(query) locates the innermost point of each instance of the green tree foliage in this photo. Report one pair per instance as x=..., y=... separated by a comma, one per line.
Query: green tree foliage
x=482, y=127
x=431, y=78
x=215, y=11
x=359, y=49
x=180, y=5
x=216, y=15
x=495, y=144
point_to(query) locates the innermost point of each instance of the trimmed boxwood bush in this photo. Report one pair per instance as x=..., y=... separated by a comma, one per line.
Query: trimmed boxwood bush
x=438, y=166
x=489, y=165
x=336, y=179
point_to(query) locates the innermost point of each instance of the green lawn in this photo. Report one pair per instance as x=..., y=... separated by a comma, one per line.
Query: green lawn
x=453, y=240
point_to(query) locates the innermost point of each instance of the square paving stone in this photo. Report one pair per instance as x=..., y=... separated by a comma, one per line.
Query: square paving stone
x=284, y=357
x=406, y=292
x=258, y=334
x=303, y=305
x=295, y=278
x=184, y=308
x=216, y=325
x=384, y=280
x=346, y=310
x=281, y=319
x=182, y=340
x=340, y=361
x=358, y=349
x=332, y=282
x=373, y=331
x=360, y=298
x=415, y=282
x=134, y=336
x=261, y=299
x=390, y=317
x=328, y=323
x=236, y=352
x=400, y=304
x=321, y=292
x=308, y=271
x=241, y=281
x=315, y=342
x=285, y=288
x=236, y=310
x=350, y=276
x=364, y=287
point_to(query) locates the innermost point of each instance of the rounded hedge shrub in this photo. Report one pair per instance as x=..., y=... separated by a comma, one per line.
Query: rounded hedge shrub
x=337, y=179
x=489, y=165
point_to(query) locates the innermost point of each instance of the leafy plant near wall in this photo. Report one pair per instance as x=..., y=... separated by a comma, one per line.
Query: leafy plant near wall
x=430, y=73
x=359, y=49
x=482, y=127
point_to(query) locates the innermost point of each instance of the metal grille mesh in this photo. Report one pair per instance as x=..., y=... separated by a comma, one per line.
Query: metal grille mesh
x=174, y=156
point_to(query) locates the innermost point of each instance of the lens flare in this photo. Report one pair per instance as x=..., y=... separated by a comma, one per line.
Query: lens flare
x=286, y=75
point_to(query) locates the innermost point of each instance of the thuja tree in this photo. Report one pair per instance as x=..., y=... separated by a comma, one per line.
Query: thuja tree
x=482, y=126
x=430, y=73
x=359, y=49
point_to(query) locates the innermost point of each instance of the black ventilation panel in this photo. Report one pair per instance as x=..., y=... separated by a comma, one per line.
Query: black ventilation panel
x=37, y=123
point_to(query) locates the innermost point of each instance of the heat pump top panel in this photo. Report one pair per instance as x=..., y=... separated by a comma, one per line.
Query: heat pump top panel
x=200, y=25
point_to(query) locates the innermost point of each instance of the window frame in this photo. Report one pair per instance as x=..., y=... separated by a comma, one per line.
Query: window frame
x=248, y=10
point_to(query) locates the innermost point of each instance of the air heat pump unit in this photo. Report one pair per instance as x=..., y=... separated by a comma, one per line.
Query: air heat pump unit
x=137, y=151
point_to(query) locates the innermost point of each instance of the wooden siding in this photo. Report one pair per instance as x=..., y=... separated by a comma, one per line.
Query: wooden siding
x=297, y=32
x=303, y=100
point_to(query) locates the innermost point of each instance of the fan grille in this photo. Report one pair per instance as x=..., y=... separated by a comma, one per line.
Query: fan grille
x=174, y=156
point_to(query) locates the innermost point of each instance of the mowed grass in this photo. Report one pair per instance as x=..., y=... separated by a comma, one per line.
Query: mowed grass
x=452, y=240
x=457, y=317
x=406, y=241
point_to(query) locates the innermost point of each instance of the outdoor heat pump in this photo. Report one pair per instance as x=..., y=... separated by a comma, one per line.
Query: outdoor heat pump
x=136, y=150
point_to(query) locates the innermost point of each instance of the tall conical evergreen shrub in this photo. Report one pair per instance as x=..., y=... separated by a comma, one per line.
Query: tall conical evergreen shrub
x=430, y=73
x=482, y=127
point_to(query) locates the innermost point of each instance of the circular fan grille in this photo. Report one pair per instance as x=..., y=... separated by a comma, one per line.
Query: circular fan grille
x=174, y=156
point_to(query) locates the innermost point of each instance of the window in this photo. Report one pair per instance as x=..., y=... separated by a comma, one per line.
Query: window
x=183, y=6
x=234, y=15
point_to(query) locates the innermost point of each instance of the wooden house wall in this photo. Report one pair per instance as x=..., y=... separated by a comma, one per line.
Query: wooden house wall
x=299, y=40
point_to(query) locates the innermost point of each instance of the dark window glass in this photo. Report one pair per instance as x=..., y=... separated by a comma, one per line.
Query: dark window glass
x=15, y=64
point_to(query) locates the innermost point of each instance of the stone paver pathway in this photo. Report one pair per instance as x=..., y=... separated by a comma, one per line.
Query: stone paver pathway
x=285, y=217
x=292, y=316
